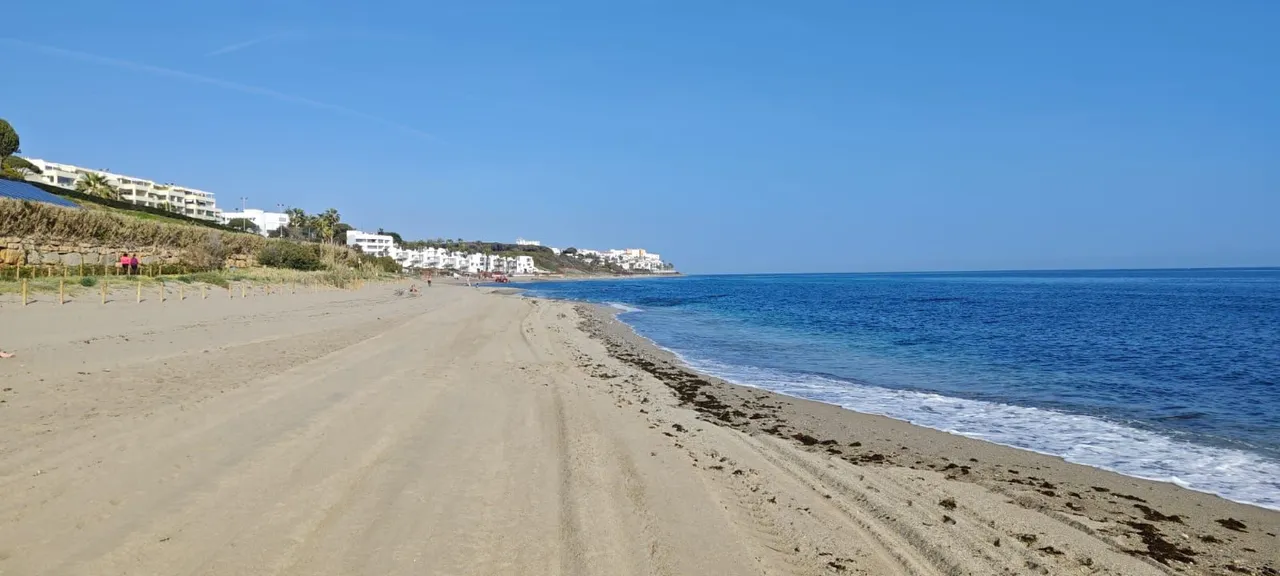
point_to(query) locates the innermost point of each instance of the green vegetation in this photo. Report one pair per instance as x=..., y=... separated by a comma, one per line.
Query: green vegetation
x=326, y=226
x=17, y=167
x=88, y=281
x=44, y=221
x=243, y=224
x=9, y=143
x=98, y=186
x=384, y=264
x=292, y=255
x=201, y=248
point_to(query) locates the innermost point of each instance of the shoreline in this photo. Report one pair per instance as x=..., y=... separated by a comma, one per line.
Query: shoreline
x=473, y=431
x=1162, y=521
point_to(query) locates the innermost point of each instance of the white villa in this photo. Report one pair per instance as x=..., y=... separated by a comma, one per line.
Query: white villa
x=374, y=244
x=267, y=222
x=180, y=199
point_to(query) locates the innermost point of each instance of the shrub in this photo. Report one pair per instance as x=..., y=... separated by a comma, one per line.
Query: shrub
x=285, y=254
x=384, y=264
x=88, y=281
x=208, y=255
x=45, y=221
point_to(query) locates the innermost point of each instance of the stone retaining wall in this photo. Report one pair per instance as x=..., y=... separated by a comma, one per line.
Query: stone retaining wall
x=26, y=252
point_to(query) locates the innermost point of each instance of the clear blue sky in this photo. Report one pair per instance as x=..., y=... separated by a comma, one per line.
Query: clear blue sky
x=729, y=136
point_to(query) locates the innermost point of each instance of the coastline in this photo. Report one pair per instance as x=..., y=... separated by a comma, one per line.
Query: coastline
x=1177, y=527
x=478, y=431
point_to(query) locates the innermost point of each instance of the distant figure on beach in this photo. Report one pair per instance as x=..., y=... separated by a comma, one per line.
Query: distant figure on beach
x=124, y=263
x=133, y=264
x=4, y=354
x=428, y=281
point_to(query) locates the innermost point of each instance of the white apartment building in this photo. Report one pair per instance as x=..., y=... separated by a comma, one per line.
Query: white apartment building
x=374, y=244
x=266, y=222
x=179, y=199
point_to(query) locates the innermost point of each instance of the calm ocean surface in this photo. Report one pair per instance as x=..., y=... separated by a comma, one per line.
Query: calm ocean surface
x=1168, y=375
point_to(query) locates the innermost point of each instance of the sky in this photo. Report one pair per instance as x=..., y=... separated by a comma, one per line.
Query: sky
x=728, y=136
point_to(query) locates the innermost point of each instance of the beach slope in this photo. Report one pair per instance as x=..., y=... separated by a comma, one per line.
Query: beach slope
x=462, y=432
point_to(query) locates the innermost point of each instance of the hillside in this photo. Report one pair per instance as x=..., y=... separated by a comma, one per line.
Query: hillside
x=127, y=209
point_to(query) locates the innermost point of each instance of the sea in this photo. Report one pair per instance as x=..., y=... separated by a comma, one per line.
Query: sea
x=1169, y=375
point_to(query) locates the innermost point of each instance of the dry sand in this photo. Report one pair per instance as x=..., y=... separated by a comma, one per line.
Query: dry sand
x=468, y=432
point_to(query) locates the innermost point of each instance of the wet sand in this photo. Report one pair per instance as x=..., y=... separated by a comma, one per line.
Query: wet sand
x=469, y=432
x=1183, y=531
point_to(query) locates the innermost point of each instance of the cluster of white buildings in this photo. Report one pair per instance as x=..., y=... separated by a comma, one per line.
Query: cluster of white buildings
x=472, y=263
x=441, y=258
x=178, y=199
x=636, y=259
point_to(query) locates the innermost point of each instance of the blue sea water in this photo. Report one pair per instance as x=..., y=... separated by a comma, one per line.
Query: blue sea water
x=1170, y=375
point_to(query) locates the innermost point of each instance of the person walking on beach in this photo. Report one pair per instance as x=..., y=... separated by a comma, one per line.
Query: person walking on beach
x=124, y=263
x=133, y=264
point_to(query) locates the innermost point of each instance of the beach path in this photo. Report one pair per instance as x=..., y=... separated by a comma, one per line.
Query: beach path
x=458, y=432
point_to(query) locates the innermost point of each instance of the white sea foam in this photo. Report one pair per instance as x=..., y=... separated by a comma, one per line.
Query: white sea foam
x=1233, y=474
x=624, y=308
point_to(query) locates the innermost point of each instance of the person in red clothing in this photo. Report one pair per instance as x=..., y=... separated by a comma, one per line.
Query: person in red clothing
x=124, y=263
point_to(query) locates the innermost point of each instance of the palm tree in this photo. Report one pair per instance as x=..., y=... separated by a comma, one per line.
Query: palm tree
x=299, y=223
x=327, y=224
x=97, y=185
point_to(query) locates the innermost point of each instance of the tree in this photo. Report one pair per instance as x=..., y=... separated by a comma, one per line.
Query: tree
x=244, y=224
x=326, y=223
x=9, y=142
x=18, y=167
x=97, y=185
x=300, y=225
x=340, y=232
x=394, y=237
x=570, y=251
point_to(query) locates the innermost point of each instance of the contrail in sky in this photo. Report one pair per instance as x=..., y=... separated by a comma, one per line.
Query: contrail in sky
x=238, y=46
x=224, y=84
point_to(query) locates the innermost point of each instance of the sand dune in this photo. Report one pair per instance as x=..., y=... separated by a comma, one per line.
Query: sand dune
x=459, y=432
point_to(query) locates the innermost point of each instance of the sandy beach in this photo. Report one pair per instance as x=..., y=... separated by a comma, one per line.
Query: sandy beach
x=476, y=431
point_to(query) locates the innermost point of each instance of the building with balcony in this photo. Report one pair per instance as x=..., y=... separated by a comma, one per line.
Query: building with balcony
x=177, y=199
x=373, y=244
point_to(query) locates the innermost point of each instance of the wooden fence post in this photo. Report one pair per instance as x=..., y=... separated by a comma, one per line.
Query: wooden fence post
x=24, y=292
x=139, y=290
x=104, y=292
x=162, y=291
x=62, y=291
